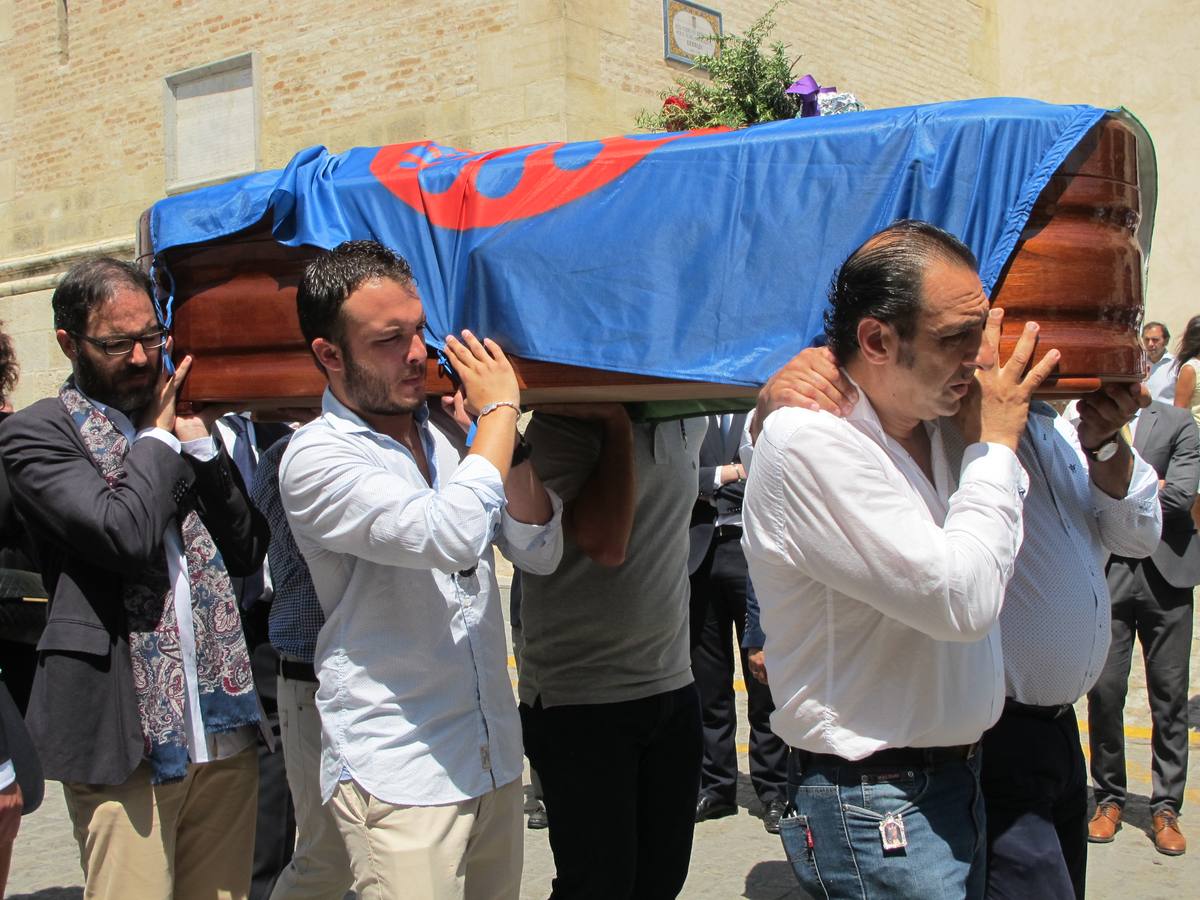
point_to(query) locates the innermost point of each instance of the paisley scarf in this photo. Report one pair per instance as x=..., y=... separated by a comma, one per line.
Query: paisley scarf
x=224, y=681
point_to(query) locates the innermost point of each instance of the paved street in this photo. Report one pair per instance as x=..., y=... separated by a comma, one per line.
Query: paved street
x=734, y=857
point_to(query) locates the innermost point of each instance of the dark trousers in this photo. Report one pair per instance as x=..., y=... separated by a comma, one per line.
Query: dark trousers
x=275, y=825
x=718, y=618
x=1035, y=792
x=620, y=782
x=1143, y=604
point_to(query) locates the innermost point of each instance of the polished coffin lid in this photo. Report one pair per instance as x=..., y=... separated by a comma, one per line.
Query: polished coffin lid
x=671, y=267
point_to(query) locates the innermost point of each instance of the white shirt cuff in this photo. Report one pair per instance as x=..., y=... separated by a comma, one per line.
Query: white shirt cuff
x=159, y=434
x=7, y=774
x=1143, y=486
x=527, y=536
x=201, y=449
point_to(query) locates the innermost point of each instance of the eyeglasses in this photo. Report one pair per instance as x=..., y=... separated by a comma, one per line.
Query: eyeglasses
x=122, y=346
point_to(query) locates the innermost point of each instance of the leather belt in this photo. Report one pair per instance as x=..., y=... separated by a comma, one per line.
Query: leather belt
x=899, y=757
x=728, y=532
x=294, y=670
x=1036, y=712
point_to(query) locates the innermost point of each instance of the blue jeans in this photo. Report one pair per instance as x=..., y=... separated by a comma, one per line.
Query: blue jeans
x=833, y=840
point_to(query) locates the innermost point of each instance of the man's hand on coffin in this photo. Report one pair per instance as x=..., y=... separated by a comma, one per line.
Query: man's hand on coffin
x=487, y=375
x=160, y=411
x=1103, y=413
x=198, y=422
x=492, y=395
x=1102, y=416
x=812, y=380
x=996, y=405
x=455, y=406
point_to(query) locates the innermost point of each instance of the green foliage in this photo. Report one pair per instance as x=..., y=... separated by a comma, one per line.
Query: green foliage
x=746, y=85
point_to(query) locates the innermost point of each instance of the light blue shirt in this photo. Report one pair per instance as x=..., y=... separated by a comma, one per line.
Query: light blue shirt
x=415, y=699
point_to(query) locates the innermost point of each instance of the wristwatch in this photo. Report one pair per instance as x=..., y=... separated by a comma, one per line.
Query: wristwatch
x=1105, y=451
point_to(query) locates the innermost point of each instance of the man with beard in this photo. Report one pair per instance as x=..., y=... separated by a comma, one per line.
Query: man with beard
x=142, y=704
x=421, y=744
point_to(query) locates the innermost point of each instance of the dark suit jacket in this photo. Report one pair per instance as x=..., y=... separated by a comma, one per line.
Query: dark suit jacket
x=1167, y=439
x=716, y=450
x=83, y=710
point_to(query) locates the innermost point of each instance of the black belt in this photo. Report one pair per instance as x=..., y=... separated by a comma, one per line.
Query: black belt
x=1036, y=712
x=728, y=532
x=294, y=670
x=898, y=757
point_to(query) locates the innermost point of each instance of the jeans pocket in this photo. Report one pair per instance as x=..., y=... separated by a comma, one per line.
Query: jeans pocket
x=796, y=835
x=887, y=794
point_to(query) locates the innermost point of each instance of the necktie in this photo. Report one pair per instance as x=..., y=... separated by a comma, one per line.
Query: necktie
x=251, y=587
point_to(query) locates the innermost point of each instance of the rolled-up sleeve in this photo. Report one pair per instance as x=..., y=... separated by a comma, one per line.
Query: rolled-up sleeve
x=536, y=549
x=1129, y=526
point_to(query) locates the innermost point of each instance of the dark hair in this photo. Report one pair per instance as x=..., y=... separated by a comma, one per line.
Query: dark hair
x=882, y=280
x=9, y=370
x=90, y=283
x=333, y=276
x=1189, y=342
x=1149, y=325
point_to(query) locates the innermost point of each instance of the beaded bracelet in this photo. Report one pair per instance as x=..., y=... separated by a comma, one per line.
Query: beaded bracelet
x=491, y=407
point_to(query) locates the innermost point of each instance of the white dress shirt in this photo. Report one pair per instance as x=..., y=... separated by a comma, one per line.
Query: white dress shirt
x=1056, y=618
x=415, y=699
x=1161, y=380
x=202, y=747
x=880, y=591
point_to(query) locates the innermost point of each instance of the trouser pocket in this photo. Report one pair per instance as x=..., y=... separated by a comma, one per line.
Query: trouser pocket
x=796, y=834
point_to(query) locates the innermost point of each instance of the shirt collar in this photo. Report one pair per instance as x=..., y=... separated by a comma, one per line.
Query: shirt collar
x=121, y=421
x=864, y=415
x=341, y=418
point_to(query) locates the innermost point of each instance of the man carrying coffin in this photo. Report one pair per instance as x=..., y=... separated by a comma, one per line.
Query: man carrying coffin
x=881, y=570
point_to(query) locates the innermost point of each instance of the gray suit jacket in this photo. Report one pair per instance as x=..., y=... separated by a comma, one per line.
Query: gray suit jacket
x=1167, y=439
x=717, y=450
x=83, y=714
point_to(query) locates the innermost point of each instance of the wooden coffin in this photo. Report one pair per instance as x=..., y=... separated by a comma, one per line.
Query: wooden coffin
x=1077, y=270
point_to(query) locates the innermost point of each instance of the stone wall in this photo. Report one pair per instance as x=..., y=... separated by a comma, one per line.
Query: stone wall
x=82, y=96
x=1145, y=58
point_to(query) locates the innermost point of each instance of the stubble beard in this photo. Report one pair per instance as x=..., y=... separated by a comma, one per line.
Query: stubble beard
x=372, y=394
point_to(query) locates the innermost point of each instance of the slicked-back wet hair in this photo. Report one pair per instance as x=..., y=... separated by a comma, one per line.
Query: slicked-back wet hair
x=882, y=280
x=333, y=276
x=90, y=283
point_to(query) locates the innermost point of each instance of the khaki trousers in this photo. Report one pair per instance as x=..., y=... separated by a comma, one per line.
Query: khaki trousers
x=189, y=840
x=462, y=851
x=320, y=867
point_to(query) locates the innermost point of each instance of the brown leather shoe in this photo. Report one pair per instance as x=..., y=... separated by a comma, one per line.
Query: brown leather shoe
x=1168, y=838
x=1105, y=823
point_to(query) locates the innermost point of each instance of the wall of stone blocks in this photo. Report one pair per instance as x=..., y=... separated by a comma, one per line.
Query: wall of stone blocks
x=81, y=94
x=1109, y=54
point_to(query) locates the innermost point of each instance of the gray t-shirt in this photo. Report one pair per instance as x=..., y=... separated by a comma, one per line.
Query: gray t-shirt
x=597, y=634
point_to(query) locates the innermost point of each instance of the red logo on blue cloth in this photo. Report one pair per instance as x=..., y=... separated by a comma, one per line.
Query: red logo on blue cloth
x=542, y=184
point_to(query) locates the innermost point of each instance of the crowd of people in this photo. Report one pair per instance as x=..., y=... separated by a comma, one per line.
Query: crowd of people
x=919, y=566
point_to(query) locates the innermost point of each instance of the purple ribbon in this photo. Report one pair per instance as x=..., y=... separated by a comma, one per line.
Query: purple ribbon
x=808, y=89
